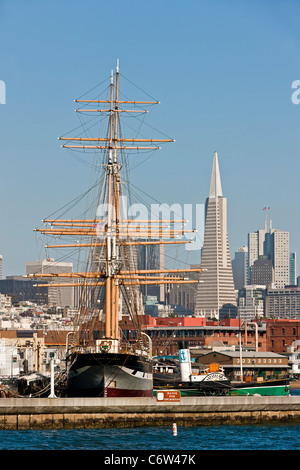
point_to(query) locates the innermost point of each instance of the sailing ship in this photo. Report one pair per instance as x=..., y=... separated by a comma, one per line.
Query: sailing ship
x=100, y=362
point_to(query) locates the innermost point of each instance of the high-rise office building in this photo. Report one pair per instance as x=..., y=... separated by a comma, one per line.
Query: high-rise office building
x=251, y=302
x=283, y=303
x=262, y=271
x=152, y=257
x=57, y=296
x=293, y=281
x=256, y=247
x=239, y=267
x=281, y=258
x=215, y=295
x=272, y=244
x=23, y=289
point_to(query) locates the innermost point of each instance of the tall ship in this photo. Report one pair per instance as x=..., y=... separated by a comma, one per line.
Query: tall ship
x=100, y=360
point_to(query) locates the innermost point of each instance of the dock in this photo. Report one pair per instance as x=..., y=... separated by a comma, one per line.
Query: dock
x=71, y=413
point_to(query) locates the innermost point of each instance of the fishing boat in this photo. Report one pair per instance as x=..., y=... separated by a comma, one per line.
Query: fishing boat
x=100, y=360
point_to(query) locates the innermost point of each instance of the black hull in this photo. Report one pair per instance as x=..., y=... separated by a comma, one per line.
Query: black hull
x=204, y=387
x=109, y=375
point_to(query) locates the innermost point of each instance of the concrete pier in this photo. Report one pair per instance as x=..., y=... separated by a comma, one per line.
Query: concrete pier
x=70, y=413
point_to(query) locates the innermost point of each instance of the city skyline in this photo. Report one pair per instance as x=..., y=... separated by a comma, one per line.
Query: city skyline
x=223, y=74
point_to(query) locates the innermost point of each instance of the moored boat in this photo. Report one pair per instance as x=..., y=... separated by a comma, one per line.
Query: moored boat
x=212, y=380
x=100, y=361
x=190, y=381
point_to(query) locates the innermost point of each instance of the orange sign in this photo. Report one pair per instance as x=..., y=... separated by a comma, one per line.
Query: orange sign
x=168, y=395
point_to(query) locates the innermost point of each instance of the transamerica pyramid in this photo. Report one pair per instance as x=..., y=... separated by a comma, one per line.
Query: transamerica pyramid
x=215, y=295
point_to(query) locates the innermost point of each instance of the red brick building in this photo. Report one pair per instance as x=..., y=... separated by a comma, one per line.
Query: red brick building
x=166, y=333
x=282, y=334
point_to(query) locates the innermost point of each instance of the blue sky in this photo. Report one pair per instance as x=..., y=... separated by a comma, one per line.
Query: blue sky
x=222, y=71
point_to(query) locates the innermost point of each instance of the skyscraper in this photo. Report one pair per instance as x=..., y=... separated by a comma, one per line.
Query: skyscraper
x=281, y=258
x=57, y=296
x=272, y=244
x=239, y=267
x=151, y=257
x=293, y=269
x=215, y=295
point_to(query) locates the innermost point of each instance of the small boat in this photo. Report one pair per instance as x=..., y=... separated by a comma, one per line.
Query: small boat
x=190, y=382
x=212, y=380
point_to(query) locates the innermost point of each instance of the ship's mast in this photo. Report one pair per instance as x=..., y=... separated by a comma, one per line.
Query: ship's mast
x=116, y=233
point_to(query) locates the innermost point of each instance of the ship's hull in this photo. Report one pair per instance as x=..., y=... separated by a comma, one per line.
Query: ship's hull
x=109, y=375
x=203, y=387
x=186, y=389
x=278, y=387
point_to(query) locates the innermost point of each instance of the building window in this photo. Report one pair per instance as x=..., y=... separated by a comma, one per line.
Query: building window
x=283, y=331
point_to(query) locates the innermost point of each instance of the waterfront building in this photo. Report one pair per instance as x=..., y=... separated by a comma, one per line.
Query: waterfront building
x=8, y=358
x=30, y=351
x=283, y=335
x=254, y=364
x=215, y=295
x=198, y=333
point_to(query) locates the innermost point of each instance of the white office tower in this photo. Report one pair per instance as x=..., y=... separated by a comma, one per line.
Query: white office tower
x=215, y=295
x=272, y=244
x=57, y=296
x=281, y=258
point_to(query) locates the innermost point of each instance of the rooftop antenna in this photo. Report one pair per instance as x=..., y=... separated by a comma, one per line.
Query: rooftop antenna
x=270, y=221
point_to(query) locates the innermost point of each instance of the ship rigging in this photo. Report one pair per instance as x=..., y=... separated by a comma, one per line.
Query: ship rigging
x=101, y=364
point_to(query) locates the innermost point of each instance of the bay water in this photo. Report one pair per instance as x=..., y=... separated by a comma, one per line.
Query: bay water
x=224, y=437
